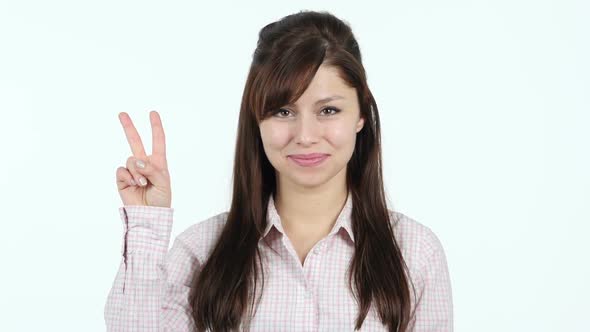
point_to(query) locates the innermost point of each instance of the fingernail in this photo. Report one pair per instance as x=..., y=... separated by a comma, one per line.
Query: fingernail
x=132, y=182
x=139, y=163
x=142, y=181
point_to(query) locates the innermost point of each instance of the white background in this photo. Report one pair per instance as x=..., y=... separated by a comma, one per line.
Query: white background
x=485, y=114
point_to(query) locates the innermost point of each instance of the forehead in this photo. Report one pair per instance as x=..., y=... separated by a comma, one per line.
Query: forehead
x=326, y=82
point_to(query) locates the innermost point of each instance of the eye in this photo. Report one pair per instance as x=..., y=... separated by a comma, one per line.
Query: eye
x=285, y=112
x=280, y=111
x=333, y=109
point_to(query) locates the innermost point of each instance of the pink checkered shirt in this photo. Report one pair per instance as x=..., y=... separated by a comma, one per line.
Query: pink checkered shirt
x=151, y=289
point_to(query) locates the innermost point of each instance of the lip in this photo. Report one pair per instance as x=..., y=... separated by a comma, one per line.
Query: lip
x=308, y=160
x=308, y=155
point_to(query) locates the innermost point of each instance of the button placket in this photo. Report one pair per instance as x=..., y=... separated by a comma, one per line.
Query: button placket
x=310, y=303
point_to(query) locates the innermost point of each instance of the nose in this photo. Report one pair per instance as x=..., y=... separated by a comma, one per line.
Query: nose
x=307, y=129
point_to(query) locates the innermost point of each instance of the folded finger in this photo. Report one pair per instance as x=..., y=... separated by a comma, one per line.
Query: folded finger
x=124, y=178
x=137, y=173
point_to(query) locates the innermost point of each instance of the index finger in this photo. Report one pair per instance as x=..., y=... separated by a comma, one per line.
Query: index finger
x=158, y=137
x=132, y=135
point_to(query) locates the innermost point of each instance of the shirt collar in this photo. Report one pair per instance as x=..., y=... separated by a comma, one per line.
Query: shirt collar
x=343, y=220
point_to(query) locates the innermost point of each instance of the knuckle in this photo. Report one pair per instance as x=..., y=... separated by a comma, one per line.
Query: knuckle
x=122, y=173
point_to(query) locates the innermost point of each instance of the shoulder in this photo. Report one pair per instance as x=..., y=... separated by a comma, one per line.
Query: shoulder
x=188, y=253
x=417, y=241
x=200, y=237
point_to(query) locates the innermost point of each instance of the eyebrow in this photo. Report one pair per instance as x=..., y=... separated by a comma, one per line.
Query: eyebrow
x=324, y=100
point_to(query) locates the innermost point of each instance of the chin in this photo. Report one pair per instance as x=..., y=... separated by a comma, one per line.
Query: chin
x=309, y=180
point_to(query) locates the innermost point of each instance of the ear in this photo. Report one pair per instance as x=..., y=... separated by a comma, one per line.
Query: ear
x=360, y=124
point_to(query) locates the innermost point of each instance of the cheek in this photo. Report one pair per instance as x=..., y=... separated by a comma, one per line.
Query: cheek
x=341, y=136
x=274, y=138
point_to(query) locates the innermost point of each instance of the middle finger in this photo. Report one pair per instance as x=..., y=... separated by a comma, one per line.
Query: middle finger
x=132, y=135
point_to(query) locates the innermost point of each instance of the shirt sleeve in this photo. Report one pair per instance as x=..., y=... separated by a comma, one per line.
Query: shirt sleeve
x=434, y=306
x=152, y=287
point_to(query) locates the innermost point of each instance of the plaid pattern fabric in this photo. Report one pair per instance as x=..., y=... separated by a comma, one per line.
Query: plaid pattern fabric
x=152, y=286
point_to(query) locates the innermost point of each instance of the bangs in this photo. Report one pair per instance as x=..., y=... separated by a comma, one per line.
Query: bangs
x=286, y=75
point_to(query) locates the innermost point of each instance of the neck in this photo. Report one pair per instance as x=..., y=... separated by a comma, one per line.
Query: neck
x=310, y=213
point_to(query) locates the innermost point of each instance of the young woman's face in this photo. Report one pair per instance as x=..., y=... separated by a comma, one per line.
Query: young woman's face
x=314, y=126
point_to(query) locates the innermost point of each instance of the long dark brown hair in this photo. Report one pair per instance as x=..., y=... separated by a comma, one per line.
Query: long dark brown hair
x=286, y=58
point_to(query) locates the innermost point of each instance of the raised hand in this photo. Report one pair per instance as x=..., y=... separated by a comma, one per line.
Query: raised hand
x=150, y=185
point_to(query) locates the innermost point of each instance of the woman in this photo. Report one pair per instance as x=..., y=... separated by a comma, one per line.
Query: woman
x=308, y=243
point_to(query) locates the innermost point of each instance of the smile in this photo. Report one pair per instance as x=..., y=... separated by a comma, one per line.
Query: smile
x=308, y=162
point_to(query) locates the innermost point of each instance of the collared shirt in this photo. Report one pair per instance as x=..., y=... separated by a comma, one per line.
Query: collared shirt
x=151, y=288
